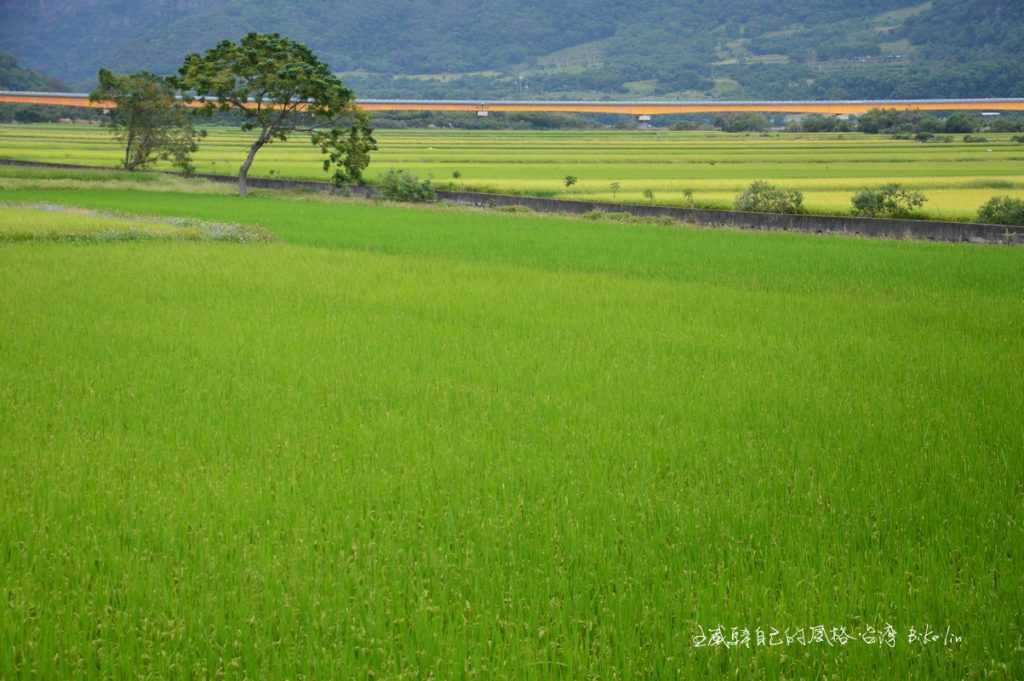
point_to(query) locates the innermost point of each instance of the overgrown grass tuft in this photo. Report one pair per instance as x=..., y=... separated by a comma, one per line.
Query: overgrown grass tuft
x=56, y=222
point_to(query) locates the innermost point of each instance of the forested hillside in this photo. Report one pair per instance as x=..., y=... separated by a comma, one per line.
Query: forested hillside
x=14, y=77
x=572, y=48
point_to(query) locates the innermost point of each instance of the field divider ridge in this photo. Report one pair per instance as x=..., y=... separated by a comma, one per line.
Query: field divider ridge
x=886, y=228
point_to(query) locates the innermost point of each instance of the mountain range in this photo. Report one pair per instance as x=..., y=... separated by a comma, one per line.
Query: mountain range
x=780, y=49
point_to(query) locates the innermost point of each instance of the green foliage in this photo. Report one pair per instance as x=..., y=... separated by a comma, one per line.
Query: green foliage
x=286, y=77
x=688, y=124
x=821, y=123
x=747, y=121
x=968, y=28
x=890, y=201
x=496, y=120
x=608, y=215
x=893, y=121
x=975, y=139
x=147, y=118
x=624, y=218
x=923, y=125
x=615, y=187
x=347, y=149
x=961, y=122
x=569, y=181
x=764, y=197
x=504, y=48
x=15, y=77
x=15, y=113
x=402, y=185
x=1002, y=210
x=649, y=195
x=291, y=87
x=1011, y=123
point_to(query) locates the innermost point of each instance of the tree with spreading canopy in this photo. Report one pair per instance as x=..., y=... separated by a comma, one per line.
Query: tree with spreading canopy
x=148, y=118
x=347, y=149
x=280, y=87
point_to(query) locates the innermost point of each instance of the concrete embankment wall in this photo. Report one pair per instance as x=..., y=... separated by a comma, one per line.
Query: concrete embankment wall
x=929, y=230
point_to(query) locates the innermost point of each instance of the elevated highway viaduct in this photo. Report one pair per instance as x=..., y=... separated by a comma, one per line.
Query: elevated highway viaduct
x=639, y=108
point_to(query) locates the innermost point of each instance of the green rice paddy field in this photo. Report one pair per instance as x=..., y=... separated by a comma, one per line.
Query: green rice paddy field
x=424, y=443
x=956, y=177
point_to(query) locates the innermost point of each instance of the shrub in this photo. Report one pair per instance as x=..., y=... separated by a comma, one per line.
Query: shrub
x=1019, y=139
x=975, y=139
x=961, y=122
x=1007, y=124
x=891, y=200
x=764, y=197
x=746, y=121
x=610, y=216
x=820, y=123
x=893, y=121
x=1002, y=210
x=689, y=125
x=570, y=180
x=817, y=123
x=663, y=220
x=401, y=185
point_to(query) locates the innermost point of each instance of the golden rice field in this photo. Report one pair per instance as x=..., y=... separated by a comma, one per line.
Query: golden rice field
x=957, y=177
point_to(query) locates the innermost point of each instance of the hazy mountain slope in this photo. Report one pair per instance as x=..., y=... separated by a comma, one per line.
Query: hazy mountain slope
x=14, y=77
x=534, y=48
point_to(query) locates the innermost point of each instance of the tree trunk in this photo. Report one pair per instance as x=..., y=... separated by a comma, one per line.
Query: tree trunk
x=243, y=172
x=127, y=163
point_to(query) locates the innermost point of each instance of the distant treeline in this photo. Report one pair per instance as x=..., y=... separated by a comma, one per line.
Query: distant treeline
x=879, y=121
x=876, y=121
x=29, y=113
